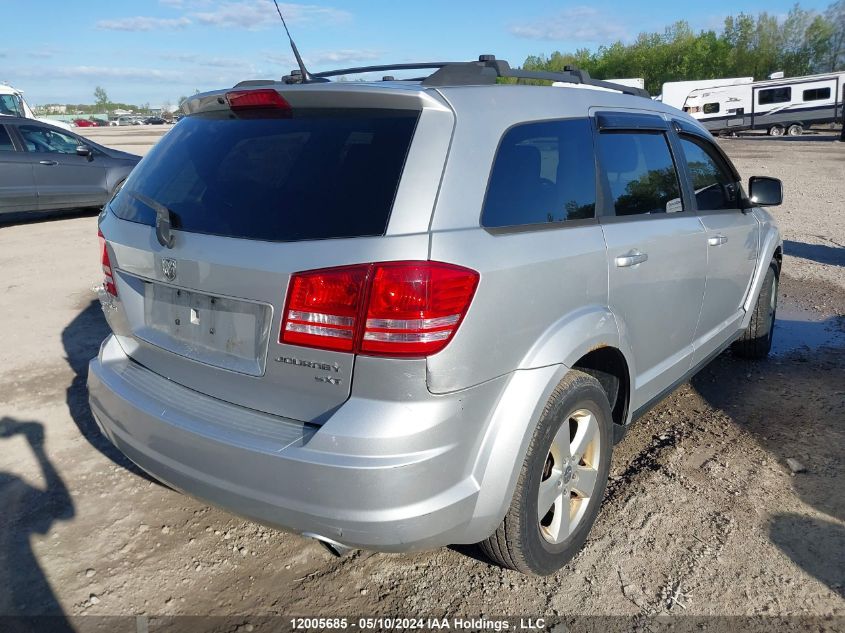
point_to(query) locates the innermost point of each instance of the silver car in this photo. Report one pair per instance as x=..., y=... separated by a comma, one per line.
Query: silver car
x=403, y=314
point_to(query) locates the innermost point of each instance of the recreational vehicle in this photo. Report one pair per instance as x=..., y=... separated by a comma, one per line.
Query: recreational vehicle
x=631, y=82
x=675, y=93
x=779, y=106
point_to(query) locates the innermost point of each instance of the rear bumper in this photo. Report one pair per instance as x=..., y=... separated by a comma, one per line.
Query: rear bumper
x=398, y=481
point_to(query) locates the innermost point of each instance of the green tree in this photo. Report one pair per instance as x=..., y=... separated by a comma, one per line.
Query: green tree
x=801, y=43
x=835, y=15
x=101, y=98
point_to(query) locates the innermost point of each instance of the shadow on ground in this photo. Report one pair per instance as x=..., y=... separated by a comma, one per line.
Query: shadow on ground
x=825, y=136
x=821, y=253
x=794, y=406
x=31, y=217
x=81, y=340
x=27, y=511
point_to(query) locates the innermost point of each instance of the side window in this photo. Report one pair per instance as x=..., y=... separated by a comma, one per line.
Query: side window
x=774, y=95
x=543, y=172
x=640, y=172
x=713, y=184
x=816, y=94
x=711, y=108
x=5, y=141
x=11, y=105
x=43, y=139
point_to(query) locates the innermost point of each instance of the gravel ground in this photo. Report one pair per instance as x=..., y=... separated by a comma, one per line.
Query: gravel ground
x=703, y=515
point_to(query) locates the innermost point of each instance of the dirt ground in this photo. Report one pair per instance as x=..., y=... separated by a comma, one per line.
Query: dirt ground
x=703, y=515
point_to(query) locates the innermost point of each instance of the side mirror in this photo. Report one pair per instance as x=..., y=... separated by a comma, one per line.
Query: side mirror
x=764, y=191
x=84, y=150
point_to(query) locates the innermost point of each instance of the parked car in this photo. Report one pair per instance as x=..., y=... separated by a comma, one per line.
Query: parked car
x=397, y=317
x=154, y=120
x=84, y=123
x=43, y=168
x=129, y=120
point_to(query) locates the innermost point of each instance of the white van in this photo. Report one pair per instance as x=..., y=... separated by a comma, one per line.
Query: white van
x=12, y=103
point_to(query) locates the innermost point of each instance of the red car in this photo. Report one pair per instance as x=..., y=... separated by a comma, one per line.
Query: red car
x=84, y=123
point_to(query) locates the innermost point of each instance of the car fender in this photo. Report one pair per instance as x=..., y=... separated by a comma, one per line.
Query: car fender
x=576, y=334
x=517, y=413
x=505, y=443
x=770, y=241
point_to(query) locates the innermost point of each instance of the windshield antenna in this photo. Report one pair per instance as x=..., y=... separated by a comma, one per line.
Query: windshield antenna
x=299, y=62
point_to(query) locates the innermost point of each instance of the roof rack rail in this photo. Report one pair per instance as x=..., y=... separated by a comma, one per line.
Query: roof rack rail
x=482, y=72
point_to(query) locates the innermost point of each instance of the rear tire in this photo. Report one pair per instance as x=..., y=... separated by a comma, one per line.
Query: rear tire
x=565, y=469
x=796, y=129
x=776, y=130
x=756, y=340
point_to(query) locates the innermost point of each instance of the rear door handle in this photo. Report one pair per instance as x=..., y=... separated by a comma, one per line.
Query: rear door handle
x=631, y=258
x=48, y=162
x=716, y=240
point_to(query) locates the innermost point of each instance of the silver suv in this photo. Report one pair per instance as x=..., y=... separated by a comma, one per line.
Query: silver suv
x=397, y=315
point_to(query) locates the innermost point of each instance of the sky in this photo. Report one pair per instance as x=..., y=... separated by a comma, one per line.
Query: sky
x=155, y=51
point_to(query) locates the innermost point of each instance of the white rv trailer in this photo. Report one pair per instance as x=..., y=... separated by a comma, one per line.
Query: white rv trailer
x=631, y=82
x=675, y=92
x=785, y=105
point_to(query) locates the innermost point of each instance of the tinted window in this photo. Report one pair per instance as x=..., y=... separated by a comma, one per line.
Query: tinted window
x=44, y=139
x=640, y=172
x=5, y=141
x=314, y=176
x=713, y=184
x=543, y=172
x=817, y=94
x=711, y=108
x=774, y=95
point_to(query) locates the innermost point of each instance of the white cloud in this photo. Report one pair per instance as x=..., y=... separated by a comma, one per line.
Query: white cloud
x=576, y=24
x=255, y=15
x=101, y=73
x=323, y=58
x=143, y=23
x=342, y=56
x=204, y=60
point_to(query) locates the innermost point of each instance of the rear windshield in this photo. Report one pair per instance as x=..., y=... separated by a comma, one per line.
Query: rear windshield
x=321, y=174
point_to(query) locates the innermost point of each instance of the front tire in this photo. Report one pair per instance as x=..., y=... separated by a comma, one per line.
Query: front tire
x=562, y=481
x=776, y=130
x=756, y=341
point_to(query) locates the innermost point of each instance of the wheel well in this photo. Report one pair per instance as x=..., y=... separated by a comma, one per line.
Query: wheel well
x=778, y=259
x=608, y=366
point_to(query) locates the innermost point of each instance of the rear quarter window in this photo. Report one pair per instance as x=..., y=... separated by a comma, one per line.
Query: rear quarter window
x=317, y=175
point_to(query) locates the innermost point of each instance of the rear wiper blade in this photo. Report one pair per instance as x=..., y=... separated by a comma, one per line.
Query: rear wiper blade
x=164, y=217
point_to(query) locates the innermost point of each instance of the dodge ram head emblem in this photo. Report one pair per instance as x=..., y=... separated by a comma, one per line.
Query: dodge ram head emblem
x=168, y=268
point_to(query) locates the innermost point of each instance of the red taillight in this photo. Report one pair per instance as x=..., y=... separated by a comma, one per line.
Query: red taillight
x=386, y=309
x=256, y=99
x=415, y=307
x=322, y=308
x=108, y=277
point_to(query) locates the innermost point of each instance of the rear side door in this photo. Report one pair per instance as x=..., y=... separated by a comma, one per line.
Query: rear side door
x=656, y=249
x=63, y=178
x=17, y=183
x=732, y=240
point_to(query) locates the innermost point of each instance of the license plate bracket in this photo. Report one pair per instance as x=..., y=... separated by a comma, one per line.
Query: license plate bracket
x=221, y=331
